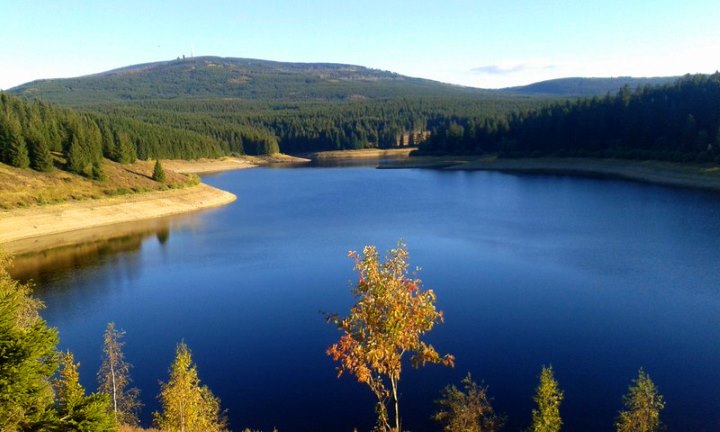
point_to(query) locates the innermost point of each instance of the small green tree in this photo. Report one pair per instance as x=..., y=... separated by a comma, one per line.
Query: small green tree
x=643, y=404
x=77, y=412
x=188, y=406
x=467, y=411
x=158, y=172
x=390, y=316
x=546, y=417
x=114, y=378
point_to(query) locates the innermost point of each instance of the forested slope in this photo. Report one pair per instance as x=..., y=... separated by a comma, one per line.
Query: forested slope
x=257, y=106
x=678, y=121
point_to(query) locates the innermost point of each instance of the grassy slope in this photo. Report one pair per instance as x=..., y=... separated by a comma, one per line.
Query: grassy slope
x=25, y=187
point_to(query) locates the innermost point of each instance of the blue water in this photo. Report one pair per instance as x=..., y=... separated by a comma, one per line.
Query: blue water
x=596, y=277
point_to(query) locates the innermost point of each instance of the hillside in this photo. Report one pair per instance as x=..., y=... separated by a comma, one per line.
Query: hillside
x=675, y=122
x=572, y=87
x=216, y=77
x=246, y=106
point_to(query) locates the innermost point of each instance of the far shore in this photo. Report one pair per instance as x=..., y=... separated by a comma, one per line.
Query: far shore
x=205, y=166
x=372, y=153
x=696, y=176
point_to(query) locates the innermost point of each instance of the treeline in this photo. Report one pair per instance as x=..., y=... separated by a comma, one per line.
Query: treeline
x=306, y=126
x=677, y=122
x=31, y=131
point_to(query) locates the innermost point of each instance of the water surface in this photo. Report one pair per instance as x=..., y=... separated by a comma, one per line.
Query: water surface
x=595, y=277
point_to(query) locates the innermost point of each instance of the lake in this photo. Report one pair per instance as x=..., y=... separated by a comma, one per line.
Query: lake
x=594, y=277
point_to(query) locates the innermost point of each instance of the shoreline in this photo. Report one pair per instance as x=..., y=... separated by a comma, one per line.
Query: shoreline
x=37, y=229
x=695, y=176
x=371, y=153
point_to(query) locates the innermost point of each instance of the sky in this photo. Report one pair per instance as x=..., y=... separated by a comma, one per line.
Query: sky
x=478, y=43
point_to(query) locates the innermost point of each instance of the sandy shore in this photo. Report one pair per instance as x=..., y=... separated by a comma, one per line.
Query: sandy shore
x=696, y=176
x=21, y=229
x=202, y=166
x=40, y=228
x=360, y=154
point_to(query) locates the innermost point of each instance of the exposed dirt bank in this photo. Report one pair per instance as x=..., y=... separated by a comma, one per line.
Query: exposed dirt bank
x=22, y=230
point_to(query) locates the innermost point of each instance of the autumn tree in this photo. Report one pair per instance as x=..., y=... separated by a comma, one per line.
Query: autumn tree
x=75, y=411
x=643, y=404
x=188, y=406
x=546, y=417
x=467, y=410
x=114, y=378
x=392, y=312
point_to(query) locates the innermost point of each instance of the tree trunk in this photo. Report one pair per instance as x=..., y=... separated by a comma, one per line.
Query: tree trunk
x=394, y=384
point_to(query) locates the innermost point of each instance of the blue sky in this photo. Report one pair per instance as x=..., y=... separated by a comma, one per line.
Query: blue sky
x=478, y=43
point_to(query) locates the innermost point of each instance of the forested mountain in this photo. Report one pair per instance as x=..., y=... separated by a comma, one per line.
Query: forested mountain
x=210, y=106
x=216, y=77
x=585, y=86
x=256, y=106
x=678, y=121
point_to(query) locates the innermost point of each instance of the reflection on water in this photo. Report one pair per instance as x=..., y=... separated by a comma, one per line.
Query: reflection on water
x=45, y=258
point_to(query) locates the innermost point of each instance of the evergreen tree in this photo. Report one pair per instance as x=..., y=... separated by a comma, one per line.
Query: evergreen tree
x=40, y=157
x=188, y=406
x=17, y=152
x=77, y=412
x=124, y=151
x=28, y=360
x=27, y=357
x=643, y=404
x=546, y=417
x=67, y=387
x=114, y=378
x=158, y=172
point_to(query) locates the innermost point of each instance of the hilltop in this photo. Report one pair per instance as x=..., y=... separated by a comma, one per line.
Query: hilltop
x=250, y=79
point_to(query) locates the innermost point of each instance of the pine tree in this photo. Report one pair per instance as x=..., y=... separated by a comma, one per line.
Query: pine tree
x=158, y=172
x=546, y=418
x=114, y=378
x=17, y=151
x=40, y=156
x=124, y=151
x=69, y=391
x=187, y=406
x=27, y=357
x=643, y=404
x=77, y=412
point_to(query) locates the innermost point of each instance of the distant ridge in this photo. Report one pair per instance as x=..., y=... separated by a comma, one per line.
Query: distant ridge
x=219, y=77
x=577, y=86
